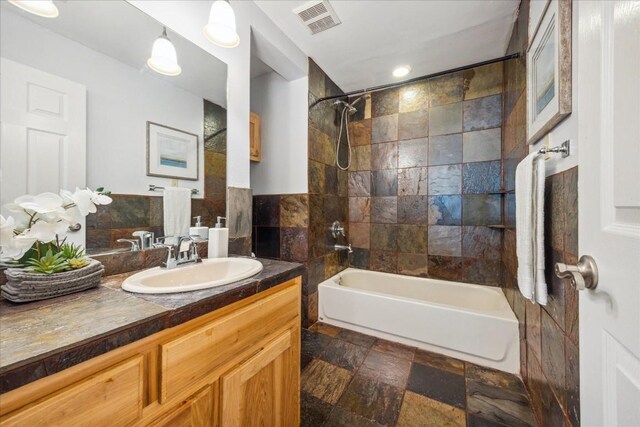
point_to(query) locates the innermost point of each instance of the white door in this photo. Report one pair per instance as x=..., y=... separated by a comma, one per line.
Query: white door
x=43, y=123
x=609, y=193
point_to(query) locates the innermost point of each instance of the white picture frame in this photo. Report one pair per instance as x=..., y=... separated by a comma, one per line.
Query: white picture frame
x=172, y=153
x=549, y=71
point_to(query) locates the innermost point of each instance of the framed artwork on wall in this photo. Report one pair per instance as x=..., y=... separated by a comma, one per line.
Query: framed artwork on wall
x=171, y=153
x=549, y=70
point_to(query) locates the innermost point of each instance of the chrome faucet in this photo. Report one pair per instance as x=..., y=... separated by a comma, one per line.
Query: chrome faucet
x=346, y=247
x=134, y=244
x=186, y=252
x=337, y=231
x=146, y=238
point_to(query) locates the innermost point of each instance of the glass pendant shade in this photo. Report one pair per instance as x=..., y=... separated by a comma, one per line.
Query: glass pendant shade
x=163, y=56
x=43, y=8
x=221, y=28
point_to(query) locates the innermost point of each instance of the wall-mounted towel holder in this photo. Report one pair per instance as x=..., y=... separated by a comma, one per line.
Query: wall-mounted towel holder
x=160, y=188
x=564, y=148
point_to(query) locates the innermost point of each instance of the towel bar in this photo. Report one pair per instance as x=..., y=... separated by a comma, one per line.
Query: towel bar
x=563, y=148
x=158, y=187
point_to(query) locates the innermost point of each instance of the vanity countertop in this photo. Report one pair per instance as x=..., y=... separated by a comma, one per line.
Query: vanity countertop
x=41, y=338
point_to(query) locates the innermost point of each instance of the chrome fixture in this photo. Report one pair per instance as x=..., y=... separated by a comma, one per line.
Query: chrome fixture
x=349, y=108
x=186, y=252
x=564, y=148
x=133, y=242
x=74, y=228
x=160, y=188
x=146, y=238
x=583, y=275
x=337, y=230
x=346, y=247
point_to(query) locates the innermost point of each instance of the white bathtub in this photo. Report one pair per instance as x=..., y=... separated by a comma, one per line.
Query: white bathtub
x=468, y=322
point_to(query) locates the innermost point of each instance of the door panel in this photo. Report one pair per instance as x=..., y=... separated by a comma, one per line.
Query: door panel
x=264, y=390
x=609, y=198
x=43, y=134
x=197, y=411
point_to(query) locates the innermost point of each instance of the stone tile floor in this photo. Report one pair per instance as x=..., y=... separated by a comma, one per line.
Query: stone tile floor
x=351, y=379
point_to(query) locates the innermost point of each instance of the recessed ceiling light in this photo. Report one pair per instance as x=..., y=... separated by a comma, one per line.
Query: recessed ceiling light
x=401, y=71
x=43, y=8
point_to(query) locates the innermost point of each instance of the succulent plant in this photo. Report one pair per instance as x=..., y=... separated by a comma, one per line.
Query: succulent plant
x=76, y=263
x=71, y=251
x=48, y=264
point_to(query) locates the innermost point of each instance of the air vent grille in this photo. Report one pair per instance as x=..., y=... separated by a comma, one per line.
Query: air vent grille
x=313, y=12
x=317, y=15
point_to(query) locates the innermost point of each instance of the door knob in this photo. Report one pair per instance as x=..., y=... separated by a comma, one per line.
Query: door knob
x=583, y=275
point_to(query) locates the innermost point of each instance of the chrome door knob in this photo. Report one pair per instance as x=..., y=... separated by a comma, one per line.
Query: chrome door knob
x=583, y=275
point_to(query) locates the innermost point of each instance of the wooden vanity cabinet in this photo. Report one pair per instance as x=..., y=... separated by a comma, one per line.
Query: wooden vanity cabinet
x=236, y=366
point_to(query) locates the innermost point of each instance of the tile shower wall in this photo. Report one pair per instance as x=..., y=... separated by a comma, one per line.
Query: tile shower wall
x=129, y=213
x=327, y=189
x=548, y=335
x=426, y=167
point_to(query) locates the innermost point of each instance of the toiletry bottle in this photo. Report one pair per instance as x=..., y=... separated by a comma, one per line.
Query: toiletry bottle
x=218, y=240
x=198, y=231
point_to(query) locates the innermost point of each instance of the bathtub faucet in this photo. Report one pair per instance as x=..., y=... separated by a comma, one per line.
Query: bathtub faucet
x=346, y=247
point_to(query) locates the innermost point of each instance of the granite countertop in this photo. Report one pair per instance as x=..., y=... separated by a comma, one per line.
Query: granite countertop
x=44, y=337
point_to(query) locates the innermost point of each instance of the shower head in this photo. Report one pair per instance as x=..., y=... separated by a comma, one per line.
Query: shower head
x=349, y=107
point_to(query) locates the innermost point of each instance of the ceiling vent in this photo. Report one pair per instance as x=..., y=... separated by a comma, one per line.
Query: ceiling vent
x=317, y=15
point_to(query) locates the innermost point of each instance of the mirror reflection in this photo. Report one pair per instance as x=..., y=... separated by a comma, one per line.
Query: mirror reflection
x=104, y=96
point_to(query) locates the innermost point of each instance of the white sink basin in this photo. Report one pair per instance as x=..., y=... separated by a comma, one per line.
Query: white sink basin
x=207, y=274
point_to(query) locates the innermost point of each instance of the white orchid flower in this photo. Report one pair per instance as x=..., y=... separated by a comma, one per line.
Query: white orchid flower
x=11, y=247
x=46, y=232
x=44, y=203
x=82, y=200
x=99, y=199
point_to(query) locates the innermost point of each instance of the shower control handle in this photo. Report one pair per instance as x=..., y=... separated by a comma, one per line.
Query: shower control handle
x=337, y=229
x=583, y=275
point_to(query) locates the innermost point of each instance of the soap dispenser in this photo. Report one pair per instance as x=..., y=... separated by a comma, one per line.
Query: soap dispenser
x=198, y=231
x=218, y=240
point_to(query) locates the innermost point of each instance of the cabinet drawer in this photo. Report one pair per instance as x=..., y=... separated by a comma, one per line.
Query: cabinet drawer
x=110, y=397
x=195, y=355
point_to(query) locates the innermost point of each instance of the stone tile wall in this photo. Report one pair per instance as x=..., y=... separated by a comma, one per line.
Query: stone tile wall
x=549, y=340
x=425, y=162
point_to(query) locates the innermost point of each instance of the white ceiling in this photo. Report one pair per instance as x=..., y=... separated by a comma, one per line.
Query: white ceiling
x=376, y=36
x=121, y=31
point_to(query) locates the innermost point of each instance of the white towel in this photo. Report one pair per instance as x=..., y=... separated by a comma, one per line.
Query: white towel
x=177, y=213
x=530, y=176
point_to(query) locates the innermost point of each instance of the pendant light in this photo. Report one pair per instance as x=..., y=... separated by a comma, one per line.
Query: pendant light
x=163, y=56
x=221, y=28
x=43, y=8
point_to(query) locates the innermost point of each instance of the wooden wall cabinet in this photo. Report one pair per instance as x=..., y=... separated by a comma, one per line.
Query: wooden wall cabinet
x=237, y=366
x=254, y=137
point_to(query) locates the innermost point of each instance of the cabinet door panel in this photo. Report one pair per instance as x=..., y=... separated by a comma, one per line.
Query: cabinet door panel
x=110, y=397
x=193, y=356
x=264, y=389
x=197, y=411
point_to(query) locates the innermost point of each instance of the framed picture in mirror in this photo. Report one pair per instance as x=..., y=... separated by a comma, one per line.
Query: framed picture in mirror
x=549, y=71
x=171, y=153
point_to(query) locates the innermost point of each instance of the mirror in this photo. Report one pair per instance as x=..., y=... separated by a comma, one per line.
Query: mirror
x=81, y=107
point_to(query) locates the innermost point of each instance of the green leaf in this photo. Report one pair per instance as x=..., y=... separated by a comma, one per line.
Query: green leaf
x=50, y=263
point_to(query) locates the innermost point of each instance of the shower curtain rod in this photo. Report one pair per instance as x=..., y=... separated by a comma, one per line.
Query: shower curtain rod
x=415, y=79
